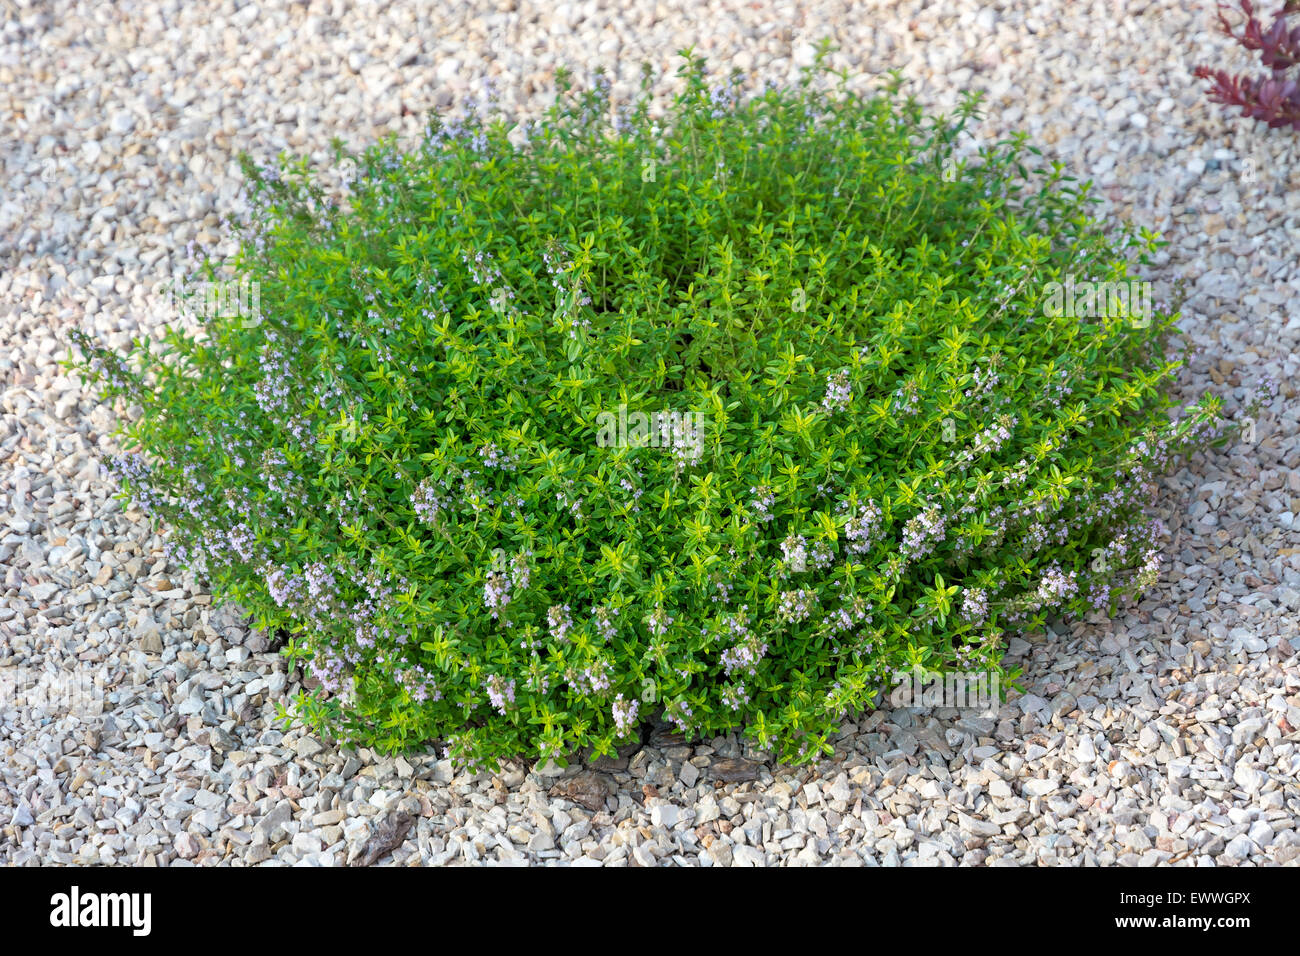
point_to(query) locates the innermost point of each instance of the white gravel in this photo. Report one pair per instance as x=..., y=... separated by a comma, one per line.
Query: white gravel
x=1168, y=735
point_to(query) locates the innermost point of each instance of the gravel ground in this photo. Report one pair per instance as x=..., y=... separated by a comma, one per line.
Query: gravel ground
x=137, y=722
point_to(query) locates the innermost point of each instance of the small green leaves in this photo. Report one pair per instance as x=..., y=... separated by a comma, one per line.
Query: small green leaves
x=722, y=416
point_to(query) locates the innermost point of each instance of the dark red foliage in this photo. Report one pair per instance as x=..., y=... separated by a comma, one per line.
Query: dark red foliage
x=1273, y=99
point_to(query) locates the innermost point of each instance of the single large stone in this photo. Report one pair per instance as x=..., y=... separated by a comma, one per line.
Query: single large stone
x=185, y=845
x=275, y=820
x=151, y=641
x=222, y=740
x=386, y=838
x=735, y=770
x=588, y=789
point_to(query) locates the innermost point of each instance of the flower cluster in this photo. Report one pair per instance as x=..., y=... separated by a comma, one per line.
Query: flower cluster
x=603, y=618
x=625, y=714
x=657, y=622
x=494, y=457
x=795, y=606
x=839, y=392
x=907, y=399
x=501, y=692
x=559, y=621
x=974, y=605
x=592, y=680
x=503, y=583
x=988, y=441
x=734, y=696
x=1056, y=587
x=426, y=502
x=861, y=528
x=794, y=553
x=923, y=532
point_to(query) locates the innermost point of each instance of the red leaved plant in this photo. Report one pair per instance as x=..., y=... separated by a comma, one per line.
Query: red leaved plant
x=1273, y=99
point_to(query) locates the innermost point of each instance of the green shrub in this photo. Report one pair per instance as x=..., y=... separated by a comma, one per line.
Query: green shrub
x=886, y=437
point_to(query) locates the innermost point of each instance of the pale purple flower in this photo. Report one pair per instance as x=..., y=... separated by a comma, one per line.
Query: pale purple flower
x=761, y=503
x=794, y=552
x=625, y=714
x=735, y=696
x=604, y=620
x=559, y=621
x=974, y=604
x=1057, y=586
x=591, y=680
x=923, y=532
x=795, y=606
x=838, y=392
x=860, y=530
x=494, y=457
x=427, y=503
x=496, y=593
x=500, y=691
x=907, y=399
x=657, y=622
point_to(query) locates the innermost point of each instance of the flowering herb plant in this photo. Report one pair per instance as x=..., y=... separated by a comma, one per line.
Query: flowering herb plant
x=424, y=460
